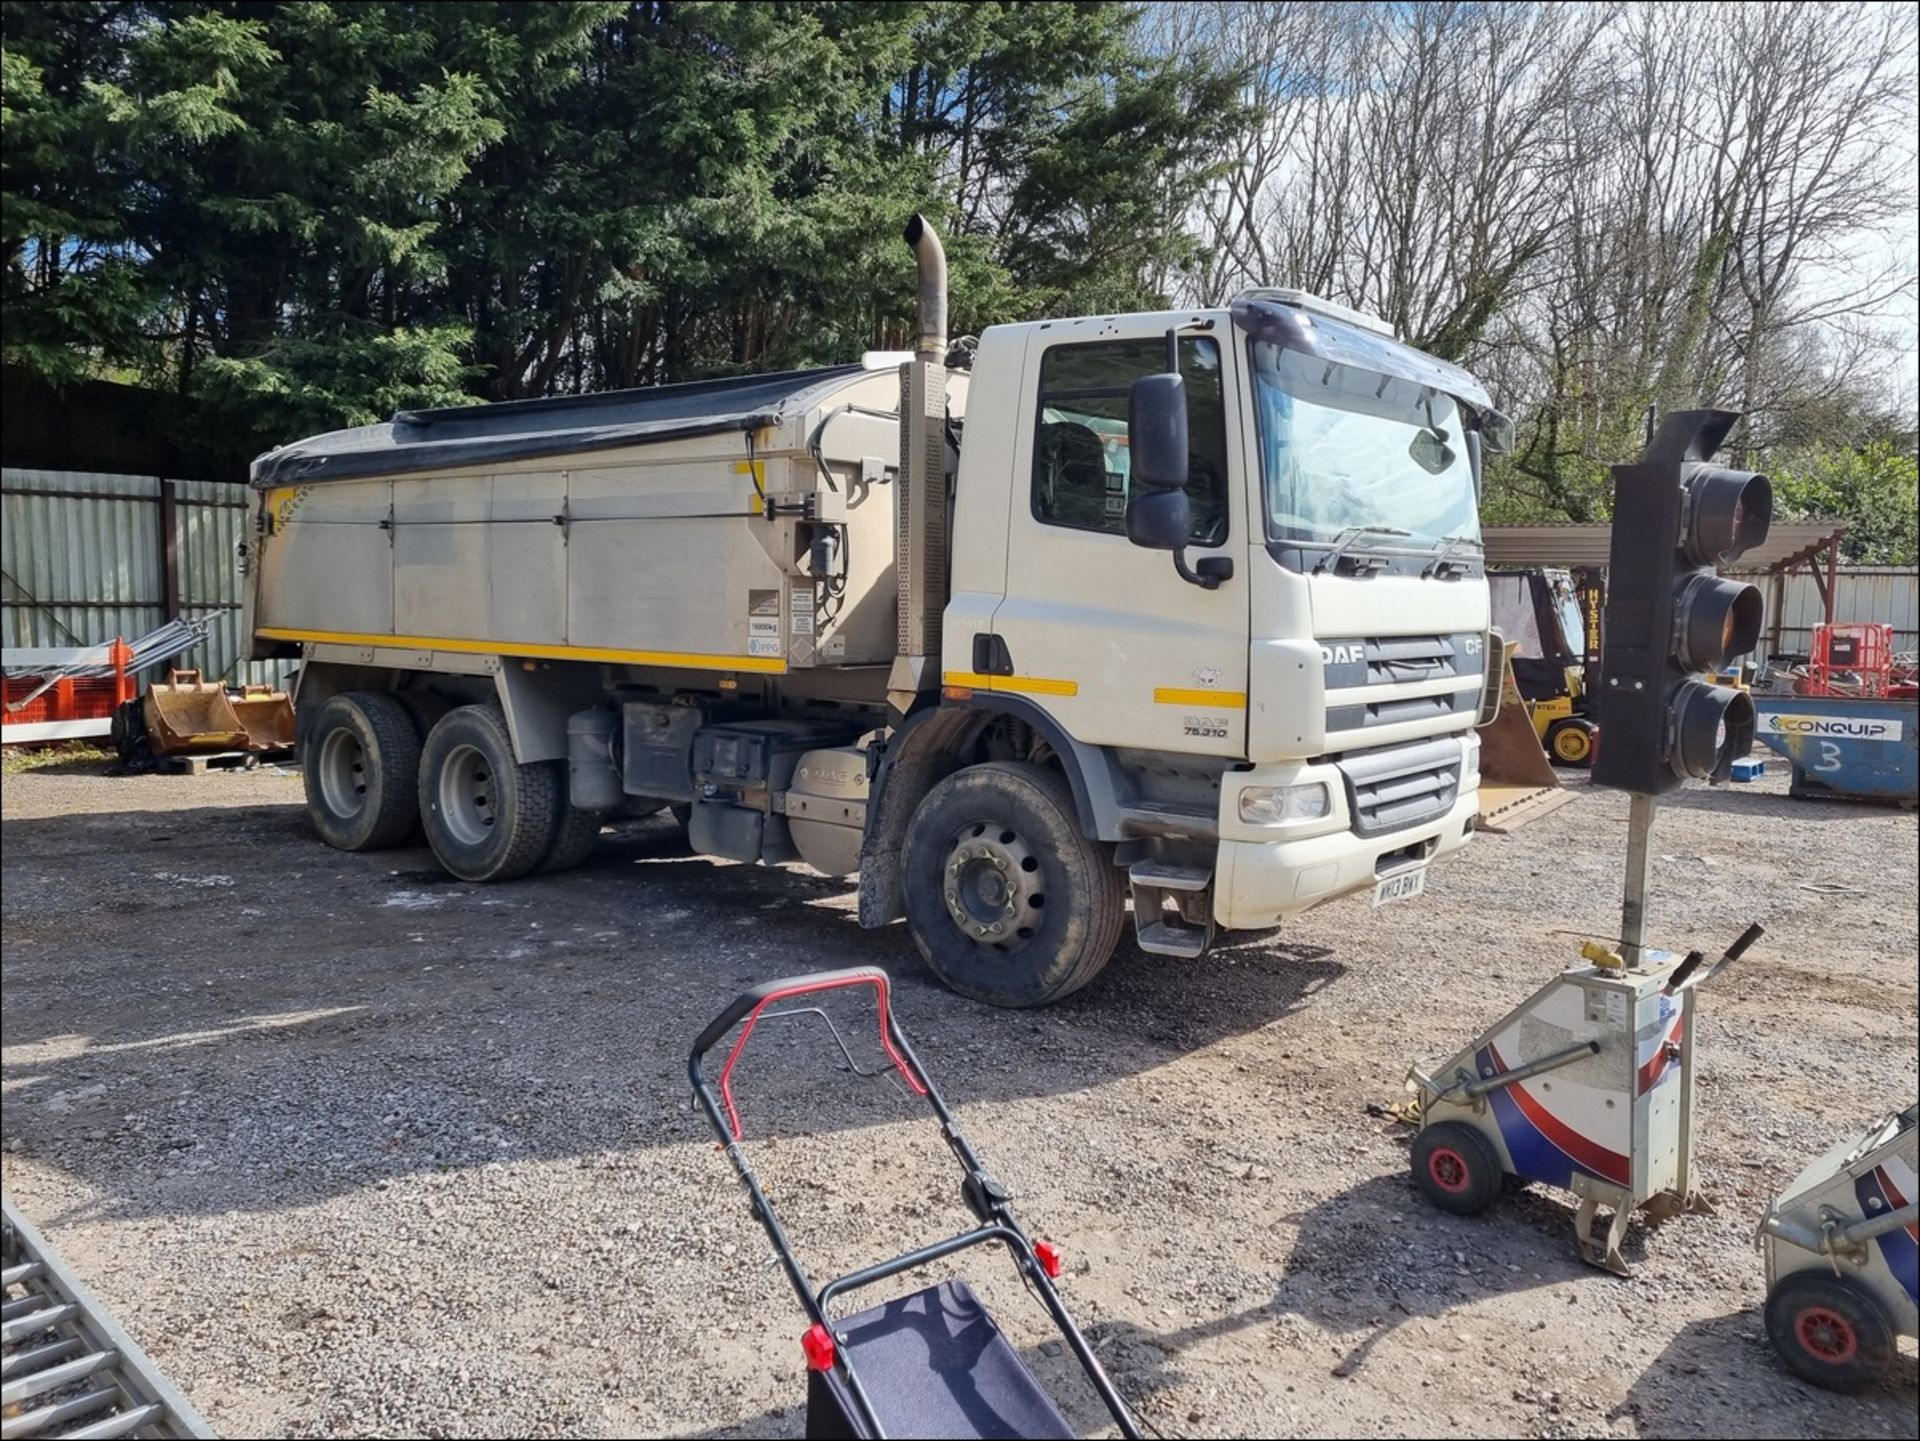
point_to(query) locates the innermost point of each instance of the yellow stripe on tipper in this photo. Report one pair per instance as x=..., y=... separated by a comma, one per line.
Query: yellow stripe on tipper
x=1218, y=699
x=1031, y=684
x=691, y=660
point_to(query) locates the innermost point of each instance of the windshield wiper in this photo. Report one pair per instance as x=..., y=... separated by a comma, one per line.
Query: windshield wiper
x=1443, y=563
x=1345, y=539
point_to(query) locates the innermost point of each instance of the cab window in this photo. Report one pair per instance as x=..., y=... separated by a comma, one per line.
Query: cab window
x=1081, y=465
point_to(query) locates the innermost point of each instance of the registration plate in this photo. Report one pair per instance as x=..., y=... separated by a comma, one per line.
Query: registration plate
x=1402, y=887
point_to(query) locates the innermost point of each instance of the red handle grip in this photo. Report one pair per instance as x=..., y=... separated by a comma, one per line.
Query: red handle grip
x=752, y=1003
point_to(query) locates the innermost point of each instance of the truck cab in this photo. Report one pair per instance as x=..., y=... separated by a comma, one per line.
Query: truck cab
x=1288, y=716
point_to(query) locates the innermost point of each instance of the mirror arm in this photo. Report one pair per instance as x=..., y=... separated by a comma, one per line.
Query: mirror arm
x=1212, y=569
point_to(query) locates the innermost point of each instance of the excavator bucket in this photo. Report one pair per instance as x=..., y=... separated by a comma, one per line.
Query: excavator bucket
x=189, y=716
x=266, y=715
x=1517, y=781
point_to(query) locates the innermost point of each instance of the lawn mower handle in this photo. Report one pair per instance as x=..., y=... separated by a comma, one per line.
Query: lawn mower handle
x=741, y=1005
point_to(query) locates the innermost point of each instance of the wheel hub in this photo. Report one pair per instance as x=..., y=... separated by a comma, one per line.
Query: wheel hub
x=343, y=773
x=467, y=795
x=992, y=885
x=1449, y=1168
x=1826, y=1334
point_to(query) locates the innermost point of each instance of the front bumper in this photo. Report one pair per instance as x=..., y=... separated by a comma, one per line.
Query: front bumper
x=1262, y=876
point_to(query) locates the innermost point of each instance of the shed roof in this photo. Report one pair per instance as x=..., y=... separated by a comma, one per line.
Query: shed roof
x=1787, y=544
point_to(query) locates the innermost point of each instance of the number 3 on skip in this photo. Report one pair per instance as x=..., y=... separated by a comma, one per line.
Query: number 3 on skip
x=1829, y=757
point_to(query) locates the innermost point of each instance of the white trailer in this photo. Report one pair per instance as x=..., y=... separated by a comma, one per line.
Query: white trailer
x=907, y=619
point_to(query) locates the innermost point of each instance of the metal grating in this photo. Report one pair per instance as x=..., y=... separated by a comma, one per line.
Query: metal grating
x=69, y=1370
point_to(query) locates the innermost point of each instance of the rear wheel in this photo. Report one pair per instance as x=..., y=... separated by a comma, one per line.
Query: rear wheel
x=573, y=840
x=1455, y=1168
x=1006, y=899
x=487, y=817
x=1571, y=742
x=360, y=761
x=1830, y=1330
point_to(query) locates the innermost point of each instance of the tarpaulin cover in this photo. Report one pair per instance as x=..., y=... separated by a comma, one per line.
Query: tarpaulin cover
x=466, y=435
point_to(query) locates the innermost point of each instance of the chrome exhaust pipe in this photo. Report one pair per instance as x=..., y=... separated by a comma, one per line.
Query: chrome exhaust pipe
x=931, y=258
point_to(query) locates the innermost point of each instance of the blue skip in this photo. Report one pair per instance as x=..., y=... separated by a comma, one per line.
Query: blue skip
x=1845, y=745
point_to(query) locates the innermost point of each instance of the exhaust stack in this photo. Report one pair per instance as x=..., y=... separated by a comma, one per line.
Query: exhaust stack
x=931, y=258
x=920, y=549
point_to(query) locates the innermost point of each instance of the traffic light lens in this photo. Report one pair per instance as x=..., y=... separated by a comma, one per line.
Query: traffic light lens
x=1729, y=513
x=1713, y=728
x=1714, y=620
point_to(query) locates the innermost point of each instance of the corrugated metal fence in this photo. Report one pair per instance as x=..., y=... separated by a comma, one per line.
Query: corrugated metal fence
x=1889, y=594
x=87, y=557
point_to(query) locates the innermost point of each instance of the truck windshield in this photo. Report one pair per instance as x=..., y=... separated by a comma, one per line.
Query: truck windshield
x=1342, y=447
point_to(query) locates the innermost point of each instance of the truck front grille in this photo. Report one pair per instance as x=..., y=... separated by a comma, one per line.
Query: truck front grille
x=1397, y=660
x=1396, y=787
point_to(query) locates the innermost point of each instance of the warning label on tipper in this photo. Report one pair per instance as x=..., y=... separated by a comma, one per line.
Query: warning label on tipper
x=1831, y=727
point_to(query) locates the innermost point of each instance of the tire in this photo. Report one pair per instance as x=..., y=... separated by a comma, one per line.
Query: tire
x=487, y=817
x=1455, y=1168
x=1571, y=742
x=1830, y=1330
x=999, y=845
x=574, y=840
x=360, y=759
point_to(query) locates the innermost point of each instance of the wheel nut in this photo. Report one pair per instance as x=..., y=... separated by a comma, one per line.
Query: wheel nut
x=999, y=863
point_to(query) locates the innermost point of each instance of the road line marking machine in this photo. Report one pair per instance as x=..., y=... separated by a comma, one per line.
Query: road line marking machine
x=1842, y=1244
x=1587, y=1085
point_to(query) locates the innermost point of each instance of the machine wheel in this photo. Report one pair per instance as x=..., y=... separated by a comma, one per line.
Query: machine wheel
x=487, y=817
x=1455, y=1168
x=360, y=760
x=1571, y=742
x=1830, y=1330
x=1007, y=900
x=573, y=840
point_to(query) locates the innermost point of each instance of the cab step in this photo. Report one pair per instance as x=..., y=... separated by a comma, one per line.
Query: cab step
x=1161, y=939
x=1158, y=931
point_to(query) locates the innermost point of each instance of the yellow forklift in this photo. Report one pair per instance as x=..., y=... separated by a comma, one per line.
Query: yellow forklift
x=1551, y=621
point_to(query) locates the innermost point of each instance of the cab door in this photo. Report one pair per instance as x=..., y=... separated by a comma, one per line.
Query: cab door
x=1103, y=635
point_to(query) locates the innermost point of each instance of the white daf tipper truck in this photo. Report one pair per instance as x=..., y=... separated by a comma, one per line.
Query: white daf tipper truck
x=1185, y=608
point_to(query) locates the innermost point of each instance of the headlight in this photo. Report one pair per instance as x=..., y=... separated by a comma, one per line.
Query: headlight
x=1278, y=805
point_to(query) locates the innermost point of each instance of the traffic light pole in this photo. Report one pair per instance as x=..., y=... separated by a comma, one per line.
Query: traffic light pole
x=1633, y=895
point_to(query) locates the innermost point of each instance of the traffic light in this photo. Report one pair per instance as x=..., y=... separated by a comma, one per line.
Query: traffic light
x=1669, y=616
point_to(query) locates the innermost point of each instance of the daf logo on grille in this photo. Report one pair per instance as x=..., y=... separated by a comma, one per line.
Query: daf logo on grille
x=1342, y=654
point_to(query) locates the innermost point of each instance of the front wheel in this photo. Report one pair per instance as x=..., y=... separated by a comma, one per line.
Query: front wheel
x=1830, y=1330
x=1572, y=741
x=1008, y=902
x=1455, y=1168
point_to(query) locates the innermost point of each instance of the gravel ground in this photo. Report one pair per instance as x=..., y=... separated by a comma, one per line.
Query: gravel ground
x=352, y=1149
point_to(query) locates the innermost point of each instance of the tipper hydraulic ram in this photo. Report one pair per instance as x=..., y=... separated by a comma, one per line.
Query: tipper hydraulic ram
x=904, y=618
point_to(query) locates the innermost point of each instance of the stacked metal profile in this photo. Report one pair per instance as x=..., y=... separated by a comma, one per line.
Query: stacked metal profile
x=64, y=662
x=68, y=1371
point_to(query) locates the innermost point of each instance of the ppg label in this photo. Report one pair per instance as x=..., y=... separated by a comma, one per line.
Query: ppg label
x=1831, y=727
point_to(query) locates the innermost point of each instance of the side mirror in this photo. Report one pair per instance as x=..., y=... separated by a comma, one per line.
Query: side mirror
x=1159, y=516
x=1157, y=431
x=1159, y=519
